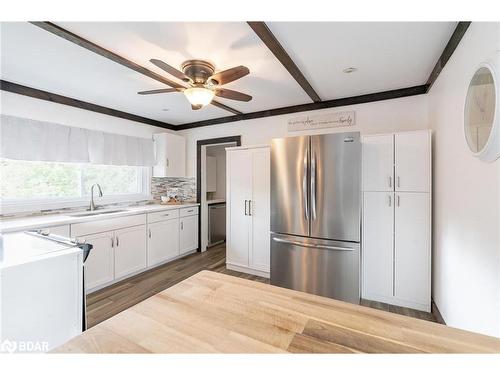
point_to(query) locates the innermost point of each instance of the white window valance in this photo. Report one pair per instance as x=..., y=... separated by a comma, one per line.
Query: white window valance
x=26, y=139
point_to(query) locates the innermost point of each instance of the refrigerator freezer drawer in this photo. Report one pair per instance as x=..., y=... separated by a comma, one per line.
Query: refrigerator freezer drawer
x=322, y=267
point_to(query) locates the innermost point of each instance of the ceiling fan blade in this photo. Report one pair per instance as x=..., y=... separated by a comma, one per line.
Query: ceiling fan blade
x=229, y=75
x=195, y=107
x=233, y=95
x=158, y=91
x=171, y=70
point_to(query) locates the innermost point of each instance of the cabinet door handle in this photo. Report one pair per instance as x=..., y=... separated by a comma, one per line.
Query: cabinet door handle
x=168, y=163
x=117, y=242
x=390, y=181
x=246, y=207
x=399, y=182
x=249, y=208
x=390, y=201
x=397, y=200
x=182, y=225
x=112, y=242
x=149, y=235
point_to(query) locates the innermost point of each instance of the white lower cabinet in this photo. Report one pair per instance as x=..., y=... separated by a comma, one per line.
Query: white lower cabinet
x=397, y=248
x=378, y=244
x=412, y=261
x=99, y=267
x=163, y=241
x=127, y=245
x=188, y=237
x=248, y=210
x=130, y=250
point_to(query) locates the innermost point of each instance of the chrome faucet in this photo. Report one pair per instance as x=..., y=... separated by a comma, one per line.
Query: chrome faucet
x=92, y=205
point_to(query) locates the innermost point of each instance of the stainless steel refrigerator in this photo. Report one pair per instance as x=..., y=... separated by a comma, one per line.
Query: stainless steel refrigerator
x=315, y=214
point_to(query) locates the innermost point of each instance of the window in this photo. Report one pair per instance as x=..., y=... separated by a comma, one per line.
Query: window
x=49, y=185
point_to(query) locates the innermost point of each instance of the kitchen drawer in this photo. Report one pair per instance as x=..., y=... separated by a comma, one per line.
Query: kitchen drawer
x=98, y=226
x=188, y=211
x=163, y=215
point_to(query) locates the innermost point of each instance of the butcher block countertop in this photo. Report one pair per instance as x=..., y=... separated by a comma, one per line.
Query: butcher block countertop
x=216, y=313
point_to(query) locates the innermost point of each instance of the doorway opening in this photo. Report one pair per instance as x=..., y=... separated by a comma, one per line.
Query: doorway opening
x=211, y=189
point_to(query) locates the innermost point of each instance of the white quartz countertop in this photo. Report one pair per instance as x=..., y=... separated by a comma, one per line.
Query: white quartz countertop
x=36, y=222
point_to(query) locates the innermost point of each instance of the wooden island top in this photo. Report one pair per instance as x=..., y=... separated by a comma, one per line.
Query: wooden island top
x=216, y=313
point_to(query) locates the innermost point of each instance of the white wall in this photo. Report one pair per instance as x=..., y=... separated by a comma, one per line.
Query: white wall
x=36, y=109
x=466, y=263
x=377, y=117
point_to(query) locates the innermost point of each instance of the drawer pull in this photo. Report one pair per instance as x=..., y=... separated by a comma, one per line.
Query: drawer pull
x=190, y=210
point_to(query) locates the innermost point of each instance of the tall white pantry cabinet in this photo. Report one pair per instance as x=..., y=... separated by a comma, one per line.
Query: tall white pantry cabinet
x=396, y=239
x=248, y=207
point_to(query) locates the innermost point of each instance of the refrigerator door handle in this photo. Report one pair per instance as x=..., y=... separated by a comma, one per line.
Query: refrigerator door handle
x=304, y=188
x=317, y=246
x=313, y=186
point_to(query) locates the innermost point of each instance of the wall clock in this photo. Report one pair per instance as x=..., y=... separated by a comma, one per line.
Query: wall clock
x=482, y=107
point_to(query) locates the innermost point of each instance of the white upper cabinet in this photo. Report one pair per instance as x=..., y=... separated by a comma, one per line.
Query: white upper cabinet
x=378, y=162
x=211, y=174
x=170, y=155
x=413, y=161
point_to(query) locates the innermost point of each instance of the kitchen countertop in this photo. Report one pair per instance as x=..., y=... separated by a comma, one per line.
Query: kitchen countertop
x=215, y=201
x=20, y=248
x=213, y=312
x=35, y=222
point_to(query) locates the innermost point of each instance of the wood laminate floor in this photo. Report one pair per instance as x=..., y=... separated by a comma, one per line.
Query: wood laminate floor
x=111, y=300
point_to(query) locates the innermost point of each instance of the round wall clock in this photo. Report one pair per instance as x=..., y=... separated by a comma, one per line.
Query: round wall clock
x=481, y=117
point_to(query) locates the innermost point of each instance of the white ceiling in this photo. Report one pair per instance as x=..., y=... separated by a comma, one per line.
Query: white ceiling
x=387, y=55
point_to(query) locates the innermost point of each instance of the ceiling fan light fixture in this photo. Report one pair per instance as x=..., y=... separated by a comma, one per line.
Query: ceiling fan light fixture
x=199, y=96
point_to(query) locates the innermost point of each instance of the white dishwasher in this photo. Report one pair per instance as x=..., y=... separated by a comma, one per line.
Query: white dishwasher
x=41, y=291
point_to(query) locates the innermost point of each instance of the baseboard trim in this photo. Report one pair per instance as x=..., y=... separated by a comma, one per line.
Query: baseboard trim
x=397, y=302
x=244, y=269
x=437, y=314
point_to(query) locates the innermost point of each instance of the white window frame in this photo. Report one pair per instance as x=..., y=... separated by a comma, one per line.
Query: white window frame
x=22, y=205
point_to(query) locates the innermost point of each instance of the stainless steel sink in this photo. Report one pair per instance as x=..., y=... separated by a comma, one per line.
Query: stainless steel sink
x=94, y=213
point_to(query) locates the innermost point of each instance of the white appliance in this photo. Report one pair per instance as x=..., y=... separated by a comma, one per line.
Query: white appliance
x=396, y=235
x=248, y=209
x=41, y=292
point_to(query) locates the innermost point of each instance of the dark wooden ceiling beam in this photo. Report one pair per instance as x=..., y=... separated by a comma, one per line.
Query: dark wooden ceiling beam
x=450, y=47
x=385, y=95
x=61, y=99
x=265, y=34
x=87, y=44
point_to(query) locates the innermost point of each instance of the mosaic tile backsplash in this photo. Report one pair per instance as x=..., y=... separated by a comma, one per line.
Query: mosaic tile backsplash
x=182, y=187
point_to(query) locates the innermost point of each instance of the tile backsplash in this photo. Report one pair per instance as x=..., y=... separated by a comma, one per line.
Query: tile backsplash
x=183, y=187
